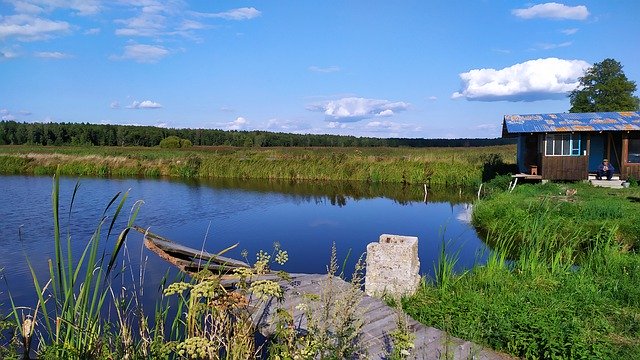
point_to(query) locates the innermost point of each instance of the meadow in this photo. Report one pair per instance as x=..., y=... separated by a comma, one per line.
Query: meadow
x=438, y=166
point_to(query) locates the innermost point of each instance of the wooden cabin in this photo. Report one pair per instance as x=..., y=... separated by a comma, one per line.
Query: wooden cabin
x=570, y=146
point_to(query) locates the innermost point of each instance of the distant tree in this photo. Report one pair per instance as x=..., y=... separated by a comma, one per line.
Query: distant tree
x=604, y=87
x=171, y=142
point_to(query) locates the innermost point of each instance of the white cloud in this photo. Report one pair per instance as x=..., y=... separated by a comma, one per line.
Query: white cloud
x=286, y=125
x=328, y=69
x=238, y=124
x=553, y=10
x=390, y=128
x=146, y=104
x=548, y=46
x=569, y=31
x=52, y=55
x=81, y=7
x=30, y=28
x=92, y=31
x=114, y=105
x=532, y=80
x=146, y=24
x=432, y=98
x=245, y=13
x=8, y=54
x=5, y=115
x=336, y=125
x=352, y=109
x=142, y=53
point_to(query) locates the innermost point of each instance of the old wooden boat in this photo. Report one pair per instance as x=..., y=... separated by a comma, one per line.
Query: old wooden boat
x=187, y=259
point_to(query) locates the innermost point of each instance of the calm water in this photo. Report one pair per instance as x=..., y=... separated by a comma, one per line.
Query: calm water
x=304, y=218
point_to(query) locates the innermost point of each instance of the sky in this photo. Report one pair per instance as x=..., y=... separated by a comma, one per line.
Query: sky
x=413, y=69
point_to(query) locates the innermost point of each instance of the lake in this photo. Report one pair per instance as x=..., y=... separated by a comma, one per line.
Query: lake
x=304, y=218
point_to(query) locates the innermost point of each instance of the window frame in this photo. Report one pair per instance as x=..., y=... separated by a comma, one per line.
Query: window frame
x=629, y=154
x=574, y=147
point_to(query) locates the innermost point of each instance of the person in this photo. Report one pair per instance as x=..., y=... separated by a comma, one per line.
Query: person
x=605, y=169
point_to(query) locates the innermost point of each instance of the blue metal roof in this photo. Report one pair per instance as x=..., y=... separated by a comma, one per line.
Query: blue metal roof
x=570, y=122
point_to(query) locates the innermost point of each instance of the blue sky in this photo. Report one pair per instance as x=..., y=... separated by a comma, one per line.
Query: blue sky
x=429, y=69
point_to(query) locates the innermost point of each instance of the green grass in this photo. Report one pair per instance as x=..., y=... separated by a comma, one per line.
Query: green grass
x=571, y=289
x=439, y=166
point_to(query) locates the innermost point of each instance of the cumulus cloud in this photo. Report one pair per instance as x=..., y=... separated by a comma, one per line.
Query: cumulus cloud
x=8, y=117
x=245, y=13
x=351, y=109
x=532, y=80
x=328, y=69
x=142, y=53
x=26, y=27
x=553, y=10
x=238, y=124
x=114, y=105
x=56, y=55
x=146, y=104
x=390, y=128
x=286, y=125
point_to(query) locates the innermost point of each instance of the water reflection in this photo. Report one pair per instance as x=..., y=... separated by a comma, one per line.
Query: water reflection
x=306, y=218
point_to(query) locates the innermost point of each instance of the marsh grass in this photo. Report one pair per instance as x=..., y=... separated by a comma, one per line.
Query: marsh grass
x=438, y=166
x=556, y=285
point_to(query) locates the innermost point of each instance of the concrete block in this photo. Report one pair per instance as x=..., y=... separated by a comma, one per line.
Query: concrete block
x=392, y=266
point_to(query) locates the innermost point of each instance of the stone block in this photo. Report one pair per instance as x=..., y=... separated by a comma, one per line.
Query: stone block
x=392, y=266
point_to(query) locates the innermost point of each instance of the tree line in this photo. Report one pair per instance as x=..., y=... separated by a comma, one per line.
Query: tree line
x=85, y=134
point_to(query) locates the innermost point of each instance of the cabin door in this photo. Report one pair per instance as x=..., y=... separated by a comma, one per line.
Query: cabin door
x=530, y=150
x=615, y=150
x=597, y=151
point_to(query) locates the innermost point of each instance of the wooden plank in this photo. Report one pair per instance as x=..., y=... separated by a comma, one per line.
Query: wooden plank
x=379, y=319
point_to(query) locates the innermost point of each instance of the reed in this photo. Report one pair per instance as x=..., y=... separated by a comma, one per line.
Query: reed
x=443, y=166
x=71, y=302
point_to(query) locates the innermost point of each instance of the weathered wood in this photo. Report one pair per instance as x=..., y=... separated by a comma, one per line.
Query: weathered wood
x=187, y=259
x=379, y=321
x=565, y=167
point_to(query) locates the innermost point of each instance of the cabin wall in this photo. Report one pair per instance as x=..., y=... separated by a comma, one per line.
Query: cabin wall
x=565, y=167
x=627, y=169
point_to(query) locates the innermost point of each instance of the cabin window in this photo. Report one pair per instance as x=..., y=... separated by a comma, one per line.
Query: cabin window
x=634, y=151
x=562, y=145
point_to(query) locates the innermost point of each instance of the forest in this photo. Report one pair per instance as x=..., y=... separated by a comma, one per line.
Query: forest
x=86, y=134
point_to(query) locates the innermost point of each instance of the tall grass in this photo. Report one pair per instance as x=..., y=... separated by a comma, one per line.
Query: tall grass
x=444, y=166
x=555, y=285
x=72, y=301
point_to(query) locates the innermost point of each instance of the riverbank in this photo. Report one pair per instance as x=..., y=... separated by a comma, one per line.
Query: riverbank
x=571, y=289
x=438, y=166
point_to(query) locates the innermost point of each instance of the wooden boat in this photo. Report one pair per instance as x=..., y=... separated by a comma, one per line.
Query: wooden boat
x=187, y=259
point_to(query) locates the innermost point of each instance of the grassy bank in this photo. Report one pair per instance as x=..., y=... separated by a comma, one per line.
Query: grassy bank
x=440, y=166
x=571, y=289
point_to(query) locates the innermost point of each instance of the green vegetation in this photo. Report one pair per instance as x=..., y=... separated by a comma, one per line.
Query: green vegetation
x=563, y=281
x=604, y=87
x=437, y=166
x=75, y=134
x=174, y=142
x=200, y=318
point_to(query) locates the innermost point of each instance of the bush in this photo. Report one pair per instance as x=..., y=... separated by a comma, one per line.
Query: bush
x=171, y=142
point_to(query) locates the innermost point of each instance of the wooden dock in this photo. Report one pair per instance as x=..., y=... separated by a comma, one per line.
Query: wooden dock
x=378, y=321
